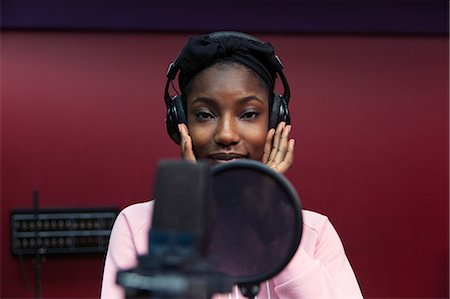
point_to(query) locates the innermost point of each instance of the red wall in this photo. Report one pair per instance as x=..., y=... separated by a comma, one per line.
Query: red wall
x=82, y=121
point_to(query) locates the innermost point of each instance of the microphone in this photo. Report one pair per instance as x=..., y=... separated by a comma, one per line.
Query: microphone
x=213, y=227
x=177, y=265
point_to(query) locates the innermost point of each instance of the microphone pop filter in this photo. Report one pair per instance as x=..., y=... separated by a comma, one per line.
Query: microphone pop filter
x=255, y=221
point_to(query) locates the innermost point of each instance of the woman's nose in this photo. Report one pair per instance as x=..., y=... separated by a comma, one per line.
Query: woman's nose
x=227, y=132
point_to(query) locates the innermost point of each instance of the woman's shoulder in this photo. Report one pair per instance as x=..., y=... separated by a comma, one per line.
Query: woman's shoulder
x=136, y=216
x=138, y=209
x=314, y=221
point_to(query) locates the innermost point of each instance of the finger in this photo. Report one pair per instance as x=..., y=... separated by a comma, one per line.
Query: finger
x=268, y=146
x=276, y=140
x=284, y=155
x=288, y=161
x=283, y=145
x=187, y=152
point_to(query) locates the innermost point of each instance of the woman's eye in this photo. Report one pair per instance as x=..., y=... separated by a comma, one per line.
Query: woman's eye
x=203, y=115
x=250, y=114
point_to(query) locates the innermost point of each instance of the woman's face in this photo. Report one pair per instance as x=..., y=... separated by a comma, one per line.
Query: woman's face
x=227, y=114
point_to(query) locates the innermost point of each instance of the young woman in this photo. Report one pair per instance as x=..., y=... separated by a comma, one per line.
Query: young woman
x=227, y=111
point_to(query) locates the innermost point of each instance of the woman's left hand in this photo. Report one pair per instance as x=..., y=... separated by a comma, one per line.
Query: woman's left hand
x=279, y=149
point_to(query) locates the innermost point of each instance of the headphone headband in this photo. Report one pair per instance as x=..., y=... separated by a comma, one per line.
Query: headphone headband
x=174, y=68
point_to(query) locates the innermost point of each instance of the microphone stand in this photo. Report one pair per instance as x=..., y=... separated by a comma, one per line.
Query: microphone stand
x=249, y=290
x=37, y=256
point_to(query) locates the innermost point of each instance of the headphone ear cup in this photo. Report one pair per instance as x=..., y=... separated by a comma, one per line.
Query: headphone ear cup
x=284, y=111
x=279, y=111
x=175, y=115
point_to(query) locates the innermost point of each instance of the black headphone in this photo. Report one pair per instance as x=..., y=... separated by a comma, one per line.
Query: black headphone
x=176, y=113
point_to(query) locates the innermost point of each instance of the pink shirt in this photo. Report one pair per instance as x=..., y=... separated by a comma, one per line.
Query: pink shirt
x=319, y=269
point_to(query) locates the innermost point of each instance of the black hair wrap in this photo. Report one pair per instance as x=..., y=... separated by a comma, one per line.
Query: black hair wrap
x=203, y=51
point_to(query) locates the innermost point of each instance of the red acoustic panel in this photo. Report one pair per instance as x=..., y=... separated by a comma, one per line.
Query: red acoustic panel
x=82, y=121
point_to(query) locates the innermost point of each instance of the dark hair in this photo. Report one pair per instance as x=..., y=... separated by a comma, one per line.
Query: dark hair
x=204, y=51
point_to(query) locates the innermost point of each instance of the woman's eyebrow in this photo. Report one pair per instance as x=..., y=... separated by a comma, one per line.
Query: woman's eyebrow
x=211, y=101
x=250, y=98
x=203, y=100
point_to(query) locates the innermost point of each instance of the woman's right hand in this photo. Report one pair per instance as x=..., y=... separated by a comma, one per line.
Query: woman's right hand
x=187, y=151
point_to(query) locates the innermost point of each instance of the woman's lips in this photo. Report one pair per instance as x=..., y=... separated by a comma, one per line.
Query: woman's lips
x=226, y=157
